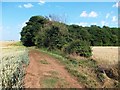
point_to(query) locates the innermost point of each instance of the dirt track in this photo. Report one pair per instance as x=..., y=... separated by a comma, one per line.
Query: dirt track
x=37, y=71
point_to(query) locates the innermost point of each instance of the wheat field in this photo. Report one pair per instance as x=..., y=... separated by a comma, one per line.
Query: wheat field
x=106, y=55
x=12, y=58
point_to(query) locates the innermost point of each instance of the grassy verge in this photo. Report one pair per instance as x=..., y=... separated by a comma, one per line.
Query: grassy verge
x=86, y=70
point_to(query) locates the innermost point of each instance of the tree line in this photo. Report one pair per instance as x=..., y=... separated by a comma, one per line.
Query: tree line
x=45, y=32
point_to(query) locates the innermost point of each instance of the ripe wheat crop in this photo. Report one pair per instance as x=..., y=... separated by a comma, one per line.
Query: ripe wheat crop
x=13, y=58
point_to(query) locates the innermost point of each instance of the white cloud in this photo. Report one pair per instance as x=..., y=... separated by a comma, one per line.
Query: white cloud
x=41, y=2
x=80, y=24
x=114, y=19
x=117, y=4
x=28, y=5
x=104, y=23
x=20, y=6
x=83, y=24
x=83, y=14
x=23, y=24
x=91, y=14
x=93, y=23
x=107, y=15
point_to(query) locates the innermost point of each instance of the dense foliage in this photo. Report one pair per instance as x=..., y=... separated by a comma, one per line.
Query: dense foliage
x=78, y=47
x=47, y=33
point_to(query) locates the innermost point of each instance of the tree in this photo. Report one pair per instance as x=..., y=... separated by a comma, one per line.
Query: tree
x=53, y=34
x=33, y=26
x=27, y=36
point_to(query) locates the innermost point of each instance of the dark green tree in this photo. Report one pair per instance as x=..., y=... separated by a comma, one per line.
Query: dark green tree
x=30, y=30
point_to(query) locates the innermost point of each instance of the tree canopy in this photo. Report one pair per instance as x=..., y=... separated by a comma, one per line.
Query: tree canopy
x=43, y=32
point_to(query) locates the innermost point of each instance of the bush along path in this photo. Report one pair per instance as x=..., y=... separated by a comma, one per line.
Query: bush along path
x=44, y=71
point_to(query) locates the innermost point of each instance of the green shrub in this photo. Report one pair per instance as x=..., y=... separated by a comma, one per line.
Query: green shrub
x=78, y=47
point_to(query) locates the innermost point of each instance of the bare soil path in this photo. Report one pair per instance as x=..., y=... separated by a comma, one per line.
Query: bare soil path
x=45, y=71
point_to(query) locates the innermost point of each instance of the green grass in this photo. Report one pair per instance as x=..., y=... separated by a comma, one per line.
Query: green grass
x=53, y=72
x=49, y=82
x=88, y=63
x=43, y=62
x=80, y=76
x=53, y=80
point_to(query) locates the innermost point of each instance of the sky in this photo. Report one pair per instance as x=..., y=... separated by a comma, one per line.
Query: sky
x=15, y=14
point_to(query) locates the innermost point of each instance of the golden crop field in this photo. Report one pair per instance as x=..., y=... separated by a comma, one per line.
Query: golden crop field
x=106, y=54
x=12, y=58
x=13, y=55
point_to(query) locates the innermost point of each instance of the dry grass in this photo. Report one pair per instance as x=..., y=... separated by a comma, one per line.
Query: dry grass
x=6, y=46
x=106, y=55
x=7, y=43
